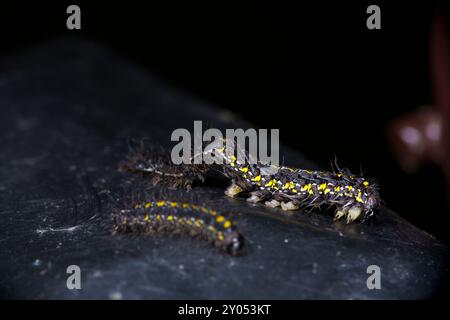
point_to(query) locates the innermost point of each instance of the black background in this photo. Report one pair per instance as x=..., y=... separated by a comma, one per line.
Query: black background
x=313, y=70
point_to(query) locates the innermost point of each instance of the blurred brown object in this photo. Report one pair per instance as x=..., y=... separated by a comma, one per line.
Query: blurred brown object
x=416, y=138
x=424, y=135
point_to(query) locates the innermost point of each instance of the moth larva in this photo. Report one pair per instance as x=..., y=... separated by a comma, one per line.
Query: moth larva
x=178, y=217
x=292, y=188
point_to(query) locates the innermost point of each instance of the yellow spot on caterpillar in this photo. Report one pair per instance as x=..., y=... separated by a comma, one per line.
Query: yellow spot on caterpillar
x=233, y=161
x=220, y=236
x=337, y=189
x=195, y=207
x=227, y=224
x=257, y=178
x=220, y=150
x=350, y=188
x=244, y=169
x=310, y=191
x=306, y=187
x=146, y=217
x=158, y=217
x=161, y=203
x=185, y=205
x=213, y=212
x=220, y=219
x=294, y=190
x=358, y=197
x=170, y=218
x=289, y=185
x=203, y=209
x=339, y=175
x=148, y=205
x=212, y=229
x=173, y=204
x=366, y=184
x=271, y=183
x=322, y=186
x=327, y=190
x=198, y=222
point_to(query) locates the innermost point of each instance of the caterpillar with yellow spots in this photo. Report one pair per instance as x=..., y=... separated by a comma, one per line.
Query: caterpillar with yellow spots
x=292, y=188
x=150, y=216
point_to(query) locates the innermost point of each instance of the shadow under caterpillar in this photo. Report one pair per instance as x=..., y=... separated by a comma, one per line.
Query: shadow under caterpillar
x=153, y=215
x=277, y=186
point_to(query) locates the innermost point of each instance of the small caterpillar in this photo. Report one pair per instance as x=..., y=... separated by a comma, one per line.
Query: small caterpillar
x=164, y=216
x=286, y=187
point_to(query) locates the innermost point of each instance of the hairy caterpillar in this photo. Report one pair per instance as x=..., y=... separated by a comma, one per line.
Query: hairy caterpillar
x=293, y=188
x=149, y=216
x=286, y=187
x=153, y=163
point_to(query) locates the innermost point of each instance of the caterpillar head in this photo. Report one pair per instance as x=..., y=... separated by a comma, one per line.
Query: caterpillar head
x=372, y=201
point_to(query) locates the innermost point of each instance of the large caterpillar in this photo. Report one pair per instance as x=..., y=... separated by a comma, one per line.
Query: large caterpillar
x=163, y=216
x=281, y=186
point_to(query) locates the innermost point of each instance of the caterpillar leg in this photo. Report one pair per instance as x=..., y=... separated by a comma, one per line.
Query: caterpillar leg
x=233, y=190
x=353, y=214
x=258, y=196
x=340, y=212
x=272, y=203
x=254, y=198
x=289, y=206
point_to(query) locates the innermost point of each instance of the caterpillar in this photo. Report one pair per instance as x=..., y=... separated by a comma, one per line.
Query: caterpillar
x=290, y=188
x=155, y=164
x=293, y=188
x=159, y=215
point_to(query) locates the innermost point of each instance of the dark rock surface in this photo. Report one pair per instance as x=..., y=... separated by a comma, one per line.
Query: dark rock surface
x=67, y=109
